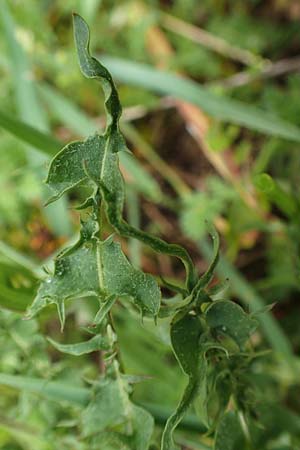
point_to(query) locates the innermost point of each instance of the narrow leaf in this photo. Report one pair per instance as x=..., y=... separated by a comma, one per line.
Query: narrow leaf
x=217, y=106
x=54, y=390
x=92, y=345
x=32, y=136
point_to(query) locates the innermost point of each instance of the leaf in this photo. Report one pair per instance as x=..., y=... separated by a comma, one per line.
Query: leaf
x=104, y=309
x=111, y=408
x=229, y=433
x=143, y=428
x=78, y=121
x=190, y=348
x=202, y=207
x=32, y=136
x=94, y=344
x=185, y=335
x=200, y=402
x=54, y=390
x=206, y=278
x=190, y=393
x=285, y=201
x=16, y=286
x=250, y=297
x=230, y=318
x=113, y=194
x=185, y=338
x=217, y=106
x=96, y=158
x=96, y=268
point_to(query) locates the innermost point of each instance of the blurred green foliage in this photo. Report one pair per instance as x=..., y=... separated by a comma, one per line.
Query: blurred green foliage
x=255, y=207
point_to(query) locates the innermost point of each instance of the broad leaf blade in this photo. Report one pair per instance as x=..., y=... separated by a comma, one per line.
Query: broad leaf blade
x=185, y=338
x=229, y=434
x=229, y=318
x=96, y=268
x=106, y=409
x=111, y=408
x=185, y=335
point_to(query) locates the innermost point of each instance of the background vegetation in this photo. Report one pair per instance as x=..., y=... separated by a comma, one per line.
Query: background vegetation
x=211, y=97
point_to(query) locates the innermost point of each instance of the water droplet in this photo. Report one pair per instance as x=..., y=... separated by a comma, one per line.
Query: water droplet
x=48, y=280
x=224, y=328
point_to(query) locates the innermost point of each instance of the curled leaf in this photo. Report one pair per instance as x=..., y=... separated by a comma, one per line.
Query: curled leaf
x=110, y=185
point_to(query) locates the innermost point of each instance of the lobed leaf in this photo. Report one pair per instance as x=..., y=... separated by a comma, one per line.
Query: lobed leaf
x=96, y=268
x=95, y=159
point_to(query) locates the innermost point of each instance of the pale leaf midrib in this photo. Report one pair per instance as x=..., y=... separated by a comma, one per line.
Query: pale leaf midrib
x=100, y=271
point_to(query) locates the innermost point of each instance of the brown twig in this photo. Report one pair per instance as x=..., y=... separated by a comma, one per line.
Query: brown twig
x=270, y=70
x=210, y=41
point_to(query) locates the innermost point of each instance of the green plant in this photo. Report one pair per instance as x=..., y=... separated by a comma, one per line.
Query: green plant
x=208, y=334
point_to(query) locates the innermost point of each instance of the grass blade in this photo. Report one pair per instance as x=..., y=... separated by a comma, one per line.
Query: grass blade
x=32, y=136
x=234, y=111
x=54, y=390
x=30, y=111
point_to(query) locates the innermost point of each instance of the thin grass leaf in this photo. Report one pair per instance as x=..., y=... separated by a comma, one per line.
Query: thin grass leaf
x=17, y=285
x=30, y=135
x=30, y=111
x=54, y=390
x=217, y=106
